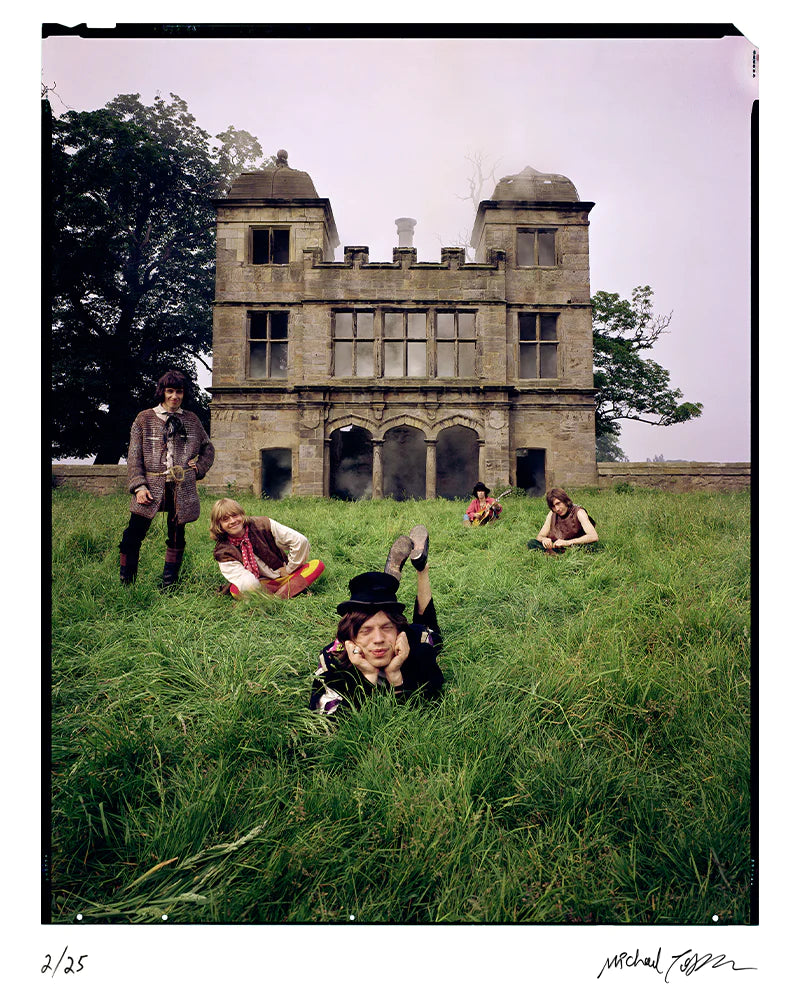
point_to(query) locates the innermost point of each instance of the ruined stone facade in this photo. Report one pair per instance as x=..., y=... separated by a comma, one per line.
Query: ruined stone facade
x=364, y=379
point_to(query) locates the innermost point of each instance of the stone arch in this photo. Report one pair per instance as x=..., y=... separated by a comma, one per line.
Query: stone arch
x=351, y=462
x=404, y=456
x=406, y=420
x=354, y=419
x=457, y=461
x=459, y=420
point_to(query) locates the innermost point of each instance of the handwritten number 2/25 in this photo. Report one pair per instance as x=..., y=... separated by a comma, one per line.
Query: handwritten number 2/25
x=69, y=967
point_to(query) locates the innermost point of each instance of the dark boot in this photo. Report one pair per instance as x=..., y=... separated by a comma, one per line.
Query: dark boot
x=398, y=553
x=172, y=565
x=128, y=566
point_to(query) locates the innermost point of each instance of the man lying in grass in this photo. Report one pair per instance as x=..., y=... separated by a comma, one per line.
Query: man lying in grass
x=375, y=647
x=565, y=525
x=258, y=553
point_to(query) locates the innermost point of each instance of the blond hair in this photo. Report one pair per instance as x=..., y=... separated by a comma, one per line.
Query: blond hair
x=224, y=508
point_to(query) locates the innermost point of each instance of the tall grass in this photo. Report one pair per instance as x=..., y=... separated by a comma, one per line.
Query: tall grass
x=588, y=762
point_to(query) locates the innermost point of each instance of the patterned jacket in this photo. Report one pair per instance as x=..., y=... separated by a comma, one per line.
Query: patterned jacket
x=338, y=683
x=147, y=456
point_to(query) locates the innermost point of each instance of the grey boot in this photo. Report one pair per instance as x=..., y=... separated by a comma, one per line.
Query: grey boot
x=398, y=553
x=419, y=555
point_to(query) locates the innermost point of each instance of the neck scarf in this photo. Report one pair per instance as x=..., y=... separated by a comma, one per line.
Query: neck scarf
x=174, y=426
x=248, y=556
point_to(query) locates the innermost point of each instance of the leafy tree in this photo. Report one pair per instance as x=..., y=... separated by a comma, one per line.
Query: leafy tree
x=131, y=254
x=630, y=387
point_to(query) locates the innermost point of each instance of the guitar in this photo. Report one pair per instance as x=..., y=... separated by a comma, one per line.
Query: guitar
x=486, y=514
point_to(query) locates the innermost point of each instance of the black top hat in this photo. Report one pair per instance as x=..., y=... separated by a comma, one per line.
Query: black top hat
x=372, y=590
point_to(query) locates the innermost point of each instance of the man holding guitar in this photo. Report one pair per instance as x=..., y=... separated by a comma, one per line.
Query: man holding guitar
x=483, y=508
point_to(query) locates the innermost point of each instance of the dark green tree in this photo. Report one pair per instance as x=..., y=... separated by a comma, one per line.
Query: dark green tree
x=131, y=251
x=629, y=386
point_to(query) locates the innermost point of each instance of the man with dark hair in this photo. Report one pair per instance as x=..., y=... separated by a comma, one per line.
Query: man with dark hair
x=169, y=452
x=483, y=508
x=567, y=524
x=376, y=647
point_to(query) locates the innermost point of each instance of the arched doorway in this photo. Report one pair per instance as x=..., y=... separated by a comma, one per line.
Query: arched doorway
x=351, y=463
x=404, y=463
x=456, y=462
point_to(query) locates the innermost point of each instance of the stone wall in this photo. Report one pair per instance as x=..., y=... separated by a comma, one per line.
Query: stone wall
x=676, y=477
x=97, y=479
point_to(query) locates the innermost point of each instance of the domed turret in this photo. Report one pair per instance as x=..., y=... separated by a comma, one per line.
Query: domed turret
x=280, y=181
x=533, y=185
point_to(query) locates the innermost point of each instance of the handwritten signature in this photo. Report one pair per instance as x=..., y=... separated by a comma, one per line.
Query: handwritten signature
x=688, y=962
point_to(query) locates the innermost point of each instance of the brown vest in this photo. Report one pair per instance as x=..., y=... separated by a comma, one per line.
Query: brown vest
x=262, y=540
x=567, y=526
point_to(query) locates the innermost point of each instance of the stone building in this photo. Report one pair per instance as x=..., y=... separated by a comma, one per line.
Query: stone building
x=404, y=378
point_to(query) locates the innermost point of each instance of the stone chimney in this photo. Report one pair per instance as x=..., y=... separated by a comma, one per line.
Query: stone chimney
x=405, y=232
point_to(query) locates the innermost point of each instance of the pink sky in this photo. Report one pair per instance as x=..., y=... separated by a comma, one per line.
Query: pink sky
x=655, y=132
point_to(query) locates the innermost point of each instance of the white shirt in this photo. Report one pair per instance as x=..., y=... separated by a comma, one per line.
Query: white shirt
x=295, y=547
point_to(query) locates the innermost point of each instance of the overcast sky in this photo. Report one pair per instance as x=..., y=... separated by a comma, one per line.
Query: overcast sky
x=655, y=132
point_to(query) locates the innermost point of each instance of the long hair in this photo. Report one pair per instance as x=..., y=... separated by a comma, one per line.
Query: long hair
x=350, y=623
x=223, y=508
x=557, y=494
x=481, y=487
x=173, y=380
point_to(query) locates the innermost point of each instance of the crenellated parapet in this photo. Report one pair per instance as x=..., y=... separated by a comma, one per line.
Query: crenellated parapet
x=451, y=258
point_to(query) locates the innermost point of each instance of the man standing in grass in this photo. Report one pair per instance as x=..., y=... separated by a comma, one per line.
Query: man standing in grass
x=169, y=452
x=375, y=647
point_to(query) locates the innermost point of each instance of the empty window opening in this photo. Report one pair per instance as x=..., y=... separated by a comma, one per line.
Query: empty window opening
x=404, y=345
x=268, y=344
x=353, y=344
x=276, y=472
x=538, y=345
x=455, y=344
x=536, y=248
x=270, y=246
x=351, y=463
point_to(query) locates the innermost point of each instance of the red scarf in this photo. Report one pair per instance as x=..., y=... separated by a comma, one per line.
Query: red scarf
x=248, y=556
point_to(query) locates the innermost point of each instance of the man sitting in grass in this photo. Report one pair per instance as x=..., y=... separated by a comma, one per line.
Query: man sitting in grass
x=482, y=508
x=565, y=525
x=258, y=553
x=375, y=647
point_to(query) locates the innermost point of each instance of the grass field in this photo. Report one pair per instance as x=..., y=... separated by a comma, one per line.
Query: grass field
x=589, y=761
